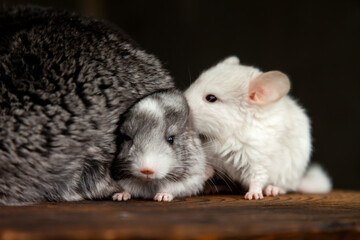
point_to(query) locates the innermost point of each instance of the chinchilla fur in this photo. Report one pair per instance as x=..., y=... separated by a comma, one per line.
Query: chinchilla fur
x=65, y=81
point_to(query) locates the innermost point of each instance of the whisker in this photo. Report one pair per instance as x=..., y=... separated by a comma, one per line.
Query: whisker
x=190, y=80
x=212, y=184
x=221, y=173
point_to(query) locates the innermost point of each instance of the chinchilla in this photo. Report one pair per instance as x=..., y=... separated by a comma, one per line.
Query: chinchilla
x=65, y=82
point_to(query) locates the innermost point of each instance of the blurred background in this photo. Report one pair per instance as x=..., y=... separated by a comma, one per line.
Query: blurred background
x=316, y=43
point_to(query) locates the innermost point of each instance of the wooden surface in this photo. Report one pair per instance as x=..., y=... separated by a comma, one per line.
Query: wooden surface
x=292, y=216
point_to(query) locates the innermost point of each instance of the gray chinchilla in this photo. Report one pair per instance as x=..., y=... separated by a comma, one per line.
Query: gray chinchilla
x=65, y=81
x=160, y=155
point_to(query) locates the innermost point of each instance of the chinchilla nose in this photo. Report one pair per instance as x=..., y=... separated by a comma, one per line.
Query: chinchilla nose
x=147, y=171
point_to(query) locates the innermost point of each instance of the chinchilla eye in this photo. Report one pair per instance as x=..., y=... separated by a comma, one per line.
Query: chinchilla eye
x=211, y=98
x=127, y=138
x=171, y=140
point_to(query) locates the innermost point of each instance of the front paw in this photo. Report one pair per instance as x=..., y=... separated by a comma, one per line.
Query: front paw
x=271, y=190
x=123, y=196
x=163, y=197
x=254, y=195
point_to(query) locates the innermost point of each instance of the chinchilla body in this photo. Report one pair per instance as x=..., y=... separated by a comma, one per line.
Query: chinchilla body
x=65, y=81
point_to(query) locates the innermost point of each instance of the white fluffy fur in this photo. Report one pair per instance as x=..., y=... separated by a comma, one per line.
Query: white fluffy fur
x=315, y=181
x=150, y=105
x=257, y=145
x=157, y=161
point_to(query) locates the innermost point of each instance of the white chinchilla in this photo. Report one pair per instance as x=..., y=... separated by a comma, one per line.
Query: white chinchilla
x=254, y=131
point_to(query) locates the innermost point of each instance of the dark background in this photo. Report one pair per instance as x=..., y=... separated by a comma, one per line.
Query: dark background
x=315, y=42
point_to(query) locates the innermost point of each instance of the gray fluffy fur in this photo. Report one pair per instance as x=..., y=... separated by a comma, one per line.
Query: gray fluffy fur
x=65, y=81
x=145, y=132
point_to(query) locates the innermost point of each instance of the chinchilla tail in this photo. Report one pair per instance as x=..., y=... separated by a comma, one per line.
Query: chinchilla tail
x=315, y=181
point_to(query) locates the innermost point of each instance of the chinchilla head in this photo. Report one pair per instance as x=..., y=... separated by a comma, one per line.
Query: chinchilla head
x=223, y=96
x=156, y=141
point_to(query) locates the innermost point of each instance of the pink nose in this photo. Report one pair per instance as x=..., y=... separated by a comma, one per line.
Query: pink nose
x=147, y=171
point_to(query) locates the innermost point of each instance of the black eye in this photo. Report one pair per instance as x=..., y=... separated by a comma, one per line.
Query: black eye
x=211, y=98
x=126, y=138
x=171, y=140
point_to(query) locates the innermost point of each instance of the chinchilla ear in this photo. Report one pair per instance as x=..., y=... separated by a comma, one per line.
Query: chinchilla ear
x=269, y=87
x=233, y=60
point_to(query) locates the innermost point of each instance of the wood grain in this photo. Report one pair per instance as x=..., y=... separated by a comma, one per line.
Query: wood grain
x=292, y=216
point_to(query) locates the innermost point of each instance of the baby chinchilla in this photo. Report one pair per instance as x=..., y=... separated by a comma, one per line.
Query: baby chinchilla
x=254, y=131
x=65, y=81
x=160, y=156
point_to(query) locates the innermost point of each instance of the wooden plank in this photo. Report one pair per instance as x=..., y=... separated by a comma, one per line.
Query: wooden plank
x=292, y=216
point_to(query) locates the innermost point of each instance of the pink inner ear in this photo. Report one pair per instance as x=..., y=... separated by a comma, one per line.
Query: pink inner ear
x=256, y=94
x=268, y=87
